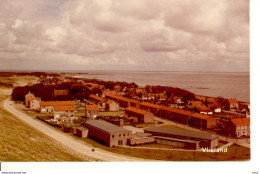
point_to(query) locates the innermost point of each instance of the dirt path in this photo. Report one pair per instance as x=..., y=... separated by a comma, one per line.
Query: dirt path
x=65, y=140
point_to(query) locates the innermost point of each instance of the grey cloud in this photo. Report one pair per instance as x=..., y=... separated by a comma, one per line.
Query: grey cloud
x=123, y=34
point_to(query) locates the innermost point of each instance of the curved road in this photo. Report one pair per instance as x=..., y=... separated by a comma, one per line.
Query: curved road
x=66, y=140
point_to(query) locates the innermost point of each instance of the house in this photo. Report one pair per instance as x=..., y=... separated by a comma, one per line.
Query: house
x=233, y=104
x=185, y=138
x=64, y=112
x=28, y=97
x=202, y=121
x=215, y=107
x=112, y=106
x=117, y=87
x=210, y=100
x=142, y=115
x=29, y=83
x=96, y=99
x=187, y=117
x=48, y=106
x=34, y=103
x=122, y=101
x=91, y=110
x=150, y=107
x=139, y=90
x=134, y=103
x=199, y=107
x=238, y=127
x=107, y=133
x=200, y=98
x=177, y=100
x=60, y=92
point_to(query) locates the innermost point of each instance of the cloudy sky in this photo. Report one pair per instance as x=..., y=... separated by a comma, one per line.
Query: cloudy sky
x=165, y=35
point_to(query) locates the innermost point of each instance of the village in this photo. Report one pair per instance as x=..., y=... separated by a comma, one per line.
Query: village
x=113, y=118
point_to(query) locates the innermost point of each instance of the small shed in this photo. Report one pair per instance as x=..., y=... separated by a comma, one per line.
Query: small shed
x=82, y=132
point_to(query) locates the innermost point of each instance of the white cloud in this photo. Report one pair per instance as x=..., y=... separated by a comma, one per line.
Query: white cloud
x=150, y=34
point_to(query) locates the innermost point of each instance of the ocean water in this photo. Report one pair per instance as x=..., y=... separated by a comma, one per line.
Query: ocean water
x=227, y=85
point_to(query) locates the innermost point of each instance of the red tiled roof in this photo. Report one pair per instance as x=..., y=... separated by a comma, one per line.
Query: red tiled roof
x=176, y=110
x=64, y=108
x=211, y=100
x=109, y=92
x=101, y=99
x=132, y=109
x=118, y=97
x=109, y=102
x=232, y=101
x=150, y=105
x=201, y=98
x=241, y=121
x=138, y=90
x=197, y=104
x=134, y=101
x=29, y=84
x=57, y=103
x=92, y=107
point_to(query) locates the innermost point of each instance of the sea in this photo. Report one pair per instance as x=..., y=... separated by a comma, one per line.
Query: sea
x=215, y=84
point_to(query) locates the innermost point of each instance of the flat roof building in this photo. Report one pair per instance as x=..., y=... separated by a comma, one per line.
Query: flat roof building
x=205, y=139
x=107, y=133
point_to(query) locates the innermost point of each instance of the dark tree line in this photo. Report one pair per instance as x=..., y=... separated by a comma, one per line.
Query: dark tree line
x=37, y=74
x=76, y=91
x=186, y=95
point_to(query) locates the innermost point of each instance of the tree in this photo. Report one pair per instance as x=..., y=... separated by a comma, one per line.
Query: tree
x=19, y=93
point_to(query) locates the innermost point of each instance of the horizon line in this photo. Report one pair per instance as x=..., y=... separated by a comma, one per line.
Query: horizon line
x=64, y=71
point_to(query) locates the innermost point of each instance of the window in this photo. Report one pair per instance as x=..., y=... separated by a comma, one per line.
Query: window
x=119, y=135
x=113, y=136
x=120, y=142
x=124, y=135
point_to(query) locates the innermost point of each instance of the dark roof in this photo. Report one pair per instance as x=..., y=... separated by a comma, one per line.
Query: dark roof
x=105, y=126
x=182, y=132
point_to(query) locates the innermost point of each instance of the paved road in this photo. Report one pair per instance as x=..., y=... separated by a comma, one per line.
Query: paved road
x=66, y=140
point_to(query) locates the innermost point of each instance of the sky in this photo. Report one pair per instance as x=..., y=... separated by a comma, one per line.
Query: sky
x=144, y=35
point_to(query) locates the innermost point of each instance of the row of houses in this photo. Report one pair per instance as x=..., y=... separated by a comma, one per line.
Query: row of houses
x=178, y=115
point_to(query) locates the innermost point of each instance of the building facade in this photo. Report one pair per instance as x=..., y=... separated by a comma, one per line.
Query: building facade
x=112, y=106
x=107, y=133
x=238, y=127
x=91, y=110
x=205, y=139
x=142, y=115
x=65, y=112
x=48, y=106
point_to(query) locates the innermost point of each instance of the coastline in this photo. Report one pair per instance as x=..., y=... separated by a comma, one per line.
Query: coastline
x=194, y=83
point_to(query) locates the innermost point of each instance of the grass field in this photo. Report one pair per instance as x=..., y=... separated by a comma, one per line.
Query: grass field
x=19, y=142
